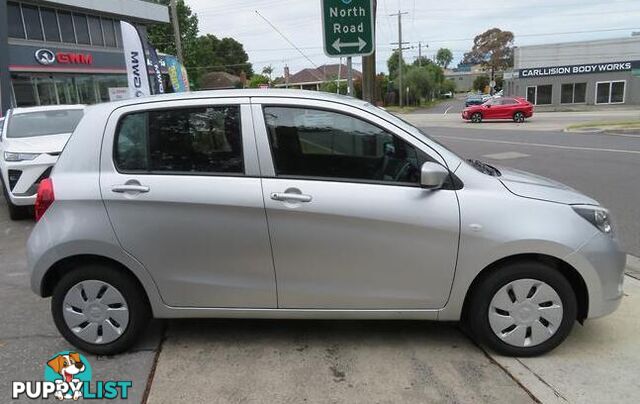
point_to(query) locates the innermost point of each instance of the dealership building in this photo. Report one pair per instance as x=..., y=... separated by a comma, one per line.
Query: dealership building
x=575, y=74
x=70, y=51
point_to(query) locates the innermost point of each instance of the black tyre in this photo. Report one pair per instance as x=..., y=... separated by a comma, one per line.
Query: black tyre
x=518, y=117
x=100, y=309
x=16, y=212
x=522, y=309
x=476, y=117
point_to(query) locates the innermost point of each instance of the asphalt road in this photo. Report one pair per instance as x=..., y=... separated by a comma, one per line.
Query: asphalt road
x=605, y=167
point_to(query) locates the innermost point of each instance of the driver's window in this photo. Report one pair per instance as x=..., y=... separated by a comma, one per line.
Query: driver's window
x=323, y=144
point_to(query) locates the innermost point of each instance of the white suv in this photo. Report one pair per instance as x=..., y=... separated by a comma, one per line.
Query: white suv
x=30, y=143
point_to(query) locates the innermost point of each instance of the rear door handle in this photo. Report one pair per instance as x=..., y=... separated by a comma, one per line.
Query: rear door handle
x=285, y=197
x=129, y=188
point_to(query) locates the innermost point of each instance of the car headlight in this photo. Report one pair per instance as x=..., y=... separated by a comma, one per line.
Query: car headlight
x=597, y=216
x=10, y=156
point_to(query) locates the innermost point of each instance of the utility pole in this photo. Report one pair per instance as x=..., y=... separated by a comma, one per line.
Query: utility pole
x=339, y=77
x=420, y=54
x=176, y=29
x=5, y=76
x=400, y=49
x=369, y=68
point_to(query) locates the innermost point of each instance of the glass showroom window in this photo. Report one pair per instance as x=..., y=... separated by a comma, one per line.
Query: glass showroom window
x=66, y=27
x=50, y=24
x=16, y=28
x=32, y=22
x=573, y=93
x=610, y=92
x=82, y=29
x=540, y=95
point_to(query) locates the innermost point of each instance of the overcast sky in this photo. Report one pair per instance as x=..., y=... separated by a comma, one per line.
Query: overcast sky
x=451, y=24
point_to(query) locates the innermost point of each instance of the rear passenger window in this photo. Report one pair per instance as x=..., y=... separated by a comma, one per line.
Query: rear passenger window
x=205, y=140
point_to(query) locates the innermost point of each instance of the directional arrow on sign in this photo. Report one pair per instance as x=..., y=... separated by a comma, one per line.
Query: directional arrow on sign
x=337, y=45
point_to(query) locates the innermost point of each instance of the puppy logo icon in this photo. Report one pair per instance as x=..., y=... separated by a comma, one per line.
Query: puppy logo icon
x=69, y=371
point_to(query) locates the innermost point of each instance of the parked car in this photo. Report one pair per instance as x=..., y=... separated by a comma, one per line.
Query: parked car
x=30, y=144
x=474, y=99
x=499, y=108
x=301, y=205
x=448, y=94
x=498, y=94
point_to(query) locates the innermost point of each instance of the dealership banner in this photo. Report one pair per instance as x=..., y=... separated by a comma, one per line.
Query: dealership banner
x=177, y=74
x=135, y=60
x=579, y=69
x=154, y=62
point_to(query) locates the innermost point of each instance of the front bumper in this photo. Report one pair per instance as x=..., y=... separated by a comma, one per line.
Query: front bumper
x=601, y=264
x=22, y=178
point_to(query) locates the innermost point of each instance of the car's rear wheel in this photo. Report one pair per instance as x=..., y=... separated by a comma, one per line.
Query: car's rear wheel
x=476, y=117
x=99, y=309
x=523, y=309
x=518, y=117
x=16, y=212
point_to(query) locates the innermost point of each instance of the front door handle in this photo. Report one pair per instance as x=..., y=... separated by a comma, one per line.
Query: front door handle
x=288, y=197
x=121, y=189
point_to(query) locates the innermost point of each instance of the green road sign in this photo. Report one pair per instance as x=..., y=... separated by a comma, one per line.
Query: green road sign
x=348, y=27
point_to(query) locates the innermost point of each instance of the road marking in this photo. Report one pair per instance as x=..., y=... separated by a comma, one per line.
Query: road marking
x=447, y=110
x=550, y=146
x=506, y=155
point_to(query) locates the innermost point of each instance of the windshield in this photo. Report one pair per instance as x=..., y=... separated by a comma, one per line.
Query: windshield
x=43, y=123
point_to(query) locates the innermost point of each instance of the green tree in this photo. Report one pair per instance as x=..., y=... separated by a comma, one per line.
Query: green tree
x=267, y=71
x=422, y=61
x=493, y=49
x=481, y=82
x=201, y=54
x=448, y=86
x=392, y=65
x=444, y=57
x=161, y=35
x=425, y=82
x=257, y=80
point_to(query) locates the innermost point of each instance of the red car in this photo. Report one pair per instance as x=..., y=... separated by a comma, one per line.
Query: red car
x=500, y=108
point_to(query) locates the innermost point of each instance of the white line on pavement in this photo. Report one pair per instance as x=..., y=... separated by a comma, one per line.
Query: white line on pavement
x=447, y=110
x=550, y=146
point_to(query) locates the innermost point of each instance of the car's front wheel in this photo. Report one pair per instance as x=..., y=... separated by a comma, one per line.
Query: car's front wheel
x=99, y=309
x=518, y=117
x=523, y=309
x=476, y=117
x=15, y=212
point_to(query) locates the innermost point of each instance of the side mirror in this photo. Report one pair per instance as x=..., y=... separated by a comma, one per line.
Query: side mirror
x=433, y=175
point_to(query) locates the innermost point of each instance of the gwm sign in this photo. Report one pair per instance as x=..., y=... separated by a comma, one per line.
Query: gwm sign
x=578, y=69
x=46, y=57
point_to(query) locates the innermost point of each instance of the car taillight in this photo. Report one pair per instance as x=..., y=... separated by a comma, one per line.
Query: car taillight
x=45, y=197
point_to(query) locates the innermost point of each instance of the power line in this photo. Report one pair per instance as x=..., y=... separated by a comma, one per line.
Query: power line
x=286, y=39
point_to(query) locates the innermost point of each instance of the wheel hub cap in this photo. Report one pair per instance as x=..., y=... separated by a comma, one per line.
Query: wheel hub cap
x=95, y=311
x=525, y=312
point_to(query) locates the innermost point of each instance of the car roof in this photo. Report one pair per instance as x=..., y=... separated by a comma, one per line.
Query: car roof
x=18, y=111
x=239, y=93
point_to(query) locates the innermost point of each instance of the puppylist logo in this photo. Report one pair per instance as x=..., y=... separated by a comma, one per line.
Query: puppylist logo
x=67, y=376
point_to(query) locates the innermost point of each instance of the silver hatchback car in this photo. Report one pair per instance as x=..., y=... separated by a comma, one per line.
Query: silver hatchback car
x=301, y=205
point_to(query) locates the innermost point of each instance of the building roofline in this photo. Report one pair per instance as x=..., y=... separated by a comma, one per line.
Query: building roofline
x=574, y=43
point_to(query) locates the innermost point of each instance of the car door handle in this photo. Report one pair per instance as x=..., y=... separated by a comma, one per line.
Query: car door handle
x=284, y=196
x=129, y=188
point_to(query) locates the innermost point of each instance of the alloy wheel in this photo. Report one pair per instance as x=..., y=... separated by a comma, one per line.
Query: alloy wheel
x=95, y=312
x=525, y=312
